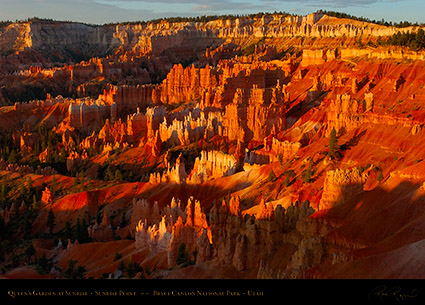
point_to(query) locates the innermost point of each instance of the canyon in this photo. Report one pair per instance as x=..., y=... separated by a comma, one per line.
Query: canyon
x=263, y=147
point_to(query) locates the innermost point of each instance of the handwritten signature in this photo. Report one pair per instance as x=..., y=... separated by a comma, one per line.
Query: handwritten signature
x=396, y=293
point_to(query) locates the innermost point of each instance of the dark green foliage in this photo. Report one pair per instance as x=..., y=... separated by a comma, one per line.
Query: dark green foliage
x=50, y=221
x=67, y=232
x=415, y=41
x=29, y=252
x=287, y=181
x=202, y=18
x=272, y=176
x=109, y=174
x=183, y=256
x=99, y=216
x=290, y=174
x=4, y=190
x=363, y=168
x=333, y=144
x=43, y=265
x=82, y=178
x=380, y=176
x=121, y=266
x=123, y=222
x=4, y=24
x=117, y=256
x=80, y=231
x=307, y=174
x=27, y=219
x=401, y=24
x=280, y=158
x=132, y=269
x=74, y=271
x=118, y=175
x=53, y=185
x=13, y=157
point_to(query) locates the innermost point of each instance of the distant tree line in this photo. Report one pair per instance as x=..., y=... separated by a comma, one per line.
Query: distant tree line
x=43, y=20
x=207, y=18
x=204, y=18
x=4, y=24
x=401, y=24
x=415, y=41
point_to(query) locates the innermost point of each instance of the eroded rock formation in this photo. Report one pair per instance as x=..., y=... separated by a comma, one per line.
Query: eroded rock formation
x=212, y=164
x=171, y=232
x=340, y=185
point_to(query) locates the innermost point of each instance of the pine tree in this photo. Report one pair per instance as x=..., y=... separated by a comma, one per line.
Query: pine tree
x=109, y=174
x=118, y=175
x=286, y=181
x=34, y=205
x=30, y=183
x=82, y=178
x=67, y=232
x=333, y=144
x=74, y=271
x=29, y=252
x=84, y=233
x=80, y=231
x=22, y=189
x=77, y=229
x=182, y=255
x=13, y=158
x=272, y=176
x=53, y=185
x=307, y=174
x=280, y=158
x=43, y=265
x=3, y=192
x=380, y=176
x=50, y=221
x=27, y=225
x=75, y=181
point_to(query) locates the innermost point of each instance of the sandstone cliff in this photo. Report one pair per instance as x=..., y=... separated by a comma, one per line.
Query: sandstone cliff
x=171, y=232
x=212, y=164
x=341, y=185
x=155, y=38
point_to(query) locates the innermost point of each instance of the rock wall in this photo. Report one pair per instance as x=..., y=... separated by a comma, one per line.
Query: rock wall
x=78, y=40
x=28, y=141
x=273, y=150
x=187, y=84
x=175, y=228
x=228, y=237
x=176, y=174
x=313, y=57
x=212, y=164
x=345, y=114
x=340, y=185
x=396, y=53
x=254, y=114
x=128, y=98
x=244, y=241
x=88, y=112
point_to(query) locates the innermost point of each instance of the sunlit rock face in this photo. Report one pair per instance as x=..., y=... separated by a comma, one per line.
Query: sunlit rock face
x=212, y=164
x=171, y=232
x=341, y=185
